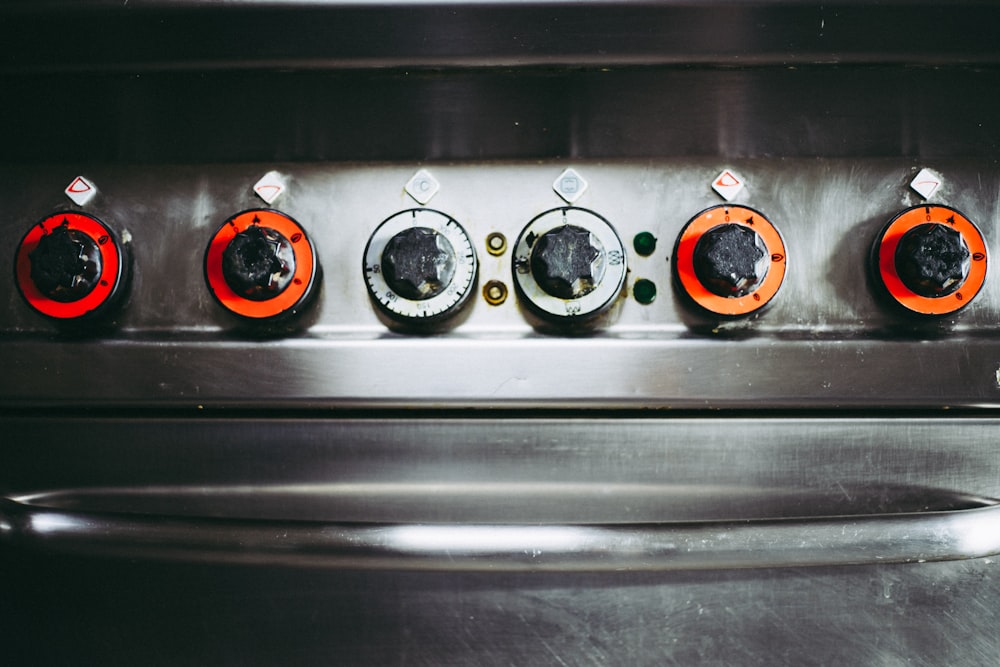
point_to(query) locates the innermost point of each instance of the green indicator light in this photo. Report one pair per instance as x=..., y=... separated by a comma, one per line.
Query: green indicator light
x=644, y=291
x=644, y=243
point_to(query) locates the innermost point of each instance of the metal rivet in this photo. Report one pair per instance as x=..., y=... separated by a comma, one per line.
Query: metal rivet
x=496, y=244
x=495, y=292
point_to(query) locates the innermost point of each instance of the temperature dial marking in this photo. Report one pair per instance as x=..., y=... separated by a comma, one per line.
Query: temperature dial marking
x=931, y=259
x=420, y=265
x=569, y=263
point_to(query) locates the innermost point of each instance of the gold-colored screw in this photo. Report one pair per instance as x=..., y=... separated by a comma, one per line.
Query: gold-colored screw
x=496, y=244
x=495, y=292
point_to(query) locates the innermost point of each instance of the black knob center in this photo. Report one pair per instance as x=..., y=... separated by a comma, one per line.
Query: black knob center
x=568, y=262
x=932, y=260
x=258, y=264
x=418, y=263
x=66, y=265
x=730, y=260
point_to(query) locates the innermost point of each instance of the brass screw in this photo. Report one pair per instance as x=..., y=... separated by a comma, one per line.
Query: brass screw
x=496, y=244
x=495, y=292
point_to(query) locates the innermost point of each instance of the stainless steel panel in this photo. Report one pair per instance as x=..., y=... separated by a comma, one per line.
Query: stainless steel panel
x=86, y=610
x=137, y=441
x=437, y=468
x=151, y=34
x=121, y=611
x=826, y=338
x=876, y=539
x=480, y=114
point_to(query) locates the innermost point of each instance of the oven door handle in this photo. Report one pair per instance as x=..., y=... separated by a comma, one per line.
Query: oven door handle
x=849, y=540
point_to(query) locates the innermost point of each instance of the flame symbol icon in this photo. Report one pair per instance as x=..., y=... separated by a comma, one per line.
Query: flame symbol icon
x=727, y=180
x=78, y=185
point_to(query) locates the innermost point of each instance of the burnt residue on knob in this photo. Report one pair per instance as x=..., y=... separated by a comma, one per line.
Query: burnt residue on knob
x=66, y=265
x=418, y=263
x=258, y=264
x=730, y=260
x=568, y=262
x=932, y=260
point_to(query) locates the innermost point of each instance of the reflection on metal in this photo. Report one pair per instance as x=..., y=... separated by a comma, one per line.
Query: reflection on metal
x=906, y=538
x=828, y=337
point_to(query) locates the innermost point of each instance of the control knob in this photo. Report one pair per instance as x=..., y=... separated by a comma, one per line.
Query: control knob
x=730, y=260
x=70, y=266
x=569, y=263
x=418, y=263
x=930, y=259
x=419, y=266
x=65, y=265
x=261, y=265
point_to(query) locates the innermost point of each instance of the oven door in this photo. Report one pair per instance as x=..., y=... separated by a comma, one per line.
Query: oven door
x=446, y=539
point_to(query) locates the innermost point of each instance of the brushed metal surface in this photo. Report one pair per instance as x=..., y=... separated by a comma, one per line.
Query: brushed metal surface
x=826, y=110
x=826, y=338
x=153, y=34
x=440, y=468
x=875, y=539
x=557, y=494
x=496, y=468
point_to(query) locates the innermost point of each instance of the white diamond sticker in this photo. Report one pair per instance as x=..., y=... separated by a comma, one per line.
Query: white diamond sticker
x=422, y=186
x=270, y=186
x=570, y=185
x=727, y=184
x=81, y=191
x=926, y=183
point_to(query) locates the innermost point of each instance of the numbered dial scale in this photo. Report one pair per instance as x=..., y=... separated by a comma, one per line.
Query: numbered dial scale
x=420, y=265
x=569, y=263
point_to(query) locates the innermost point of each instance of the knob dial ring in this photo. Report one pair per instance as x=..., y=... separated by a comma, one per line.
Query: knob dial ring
x=702, y=295
x=106, y=284
x=439, y=302
x=299, y=286
x=888, y=243
x=599, y=295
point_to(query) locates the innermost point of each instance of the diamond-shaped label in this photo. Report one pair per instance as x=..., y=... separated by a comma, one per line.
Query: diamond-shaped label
x=570, y=185
x=422, y=187
x=81, y=191
x=926, y=183
x=270, y=186
x=728, y=184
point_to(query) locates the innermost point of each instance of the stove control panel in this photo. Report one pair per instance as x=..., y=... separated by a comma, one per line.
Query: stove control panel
x=650, y=283
x=568, y=267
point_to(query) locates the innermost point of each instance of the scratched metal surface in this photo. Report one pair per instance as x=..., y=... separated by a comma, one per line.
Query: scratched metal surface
x=128, y=610
x=174, y=133
x=826, y=338
x=827, y=152
x=926, y=615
